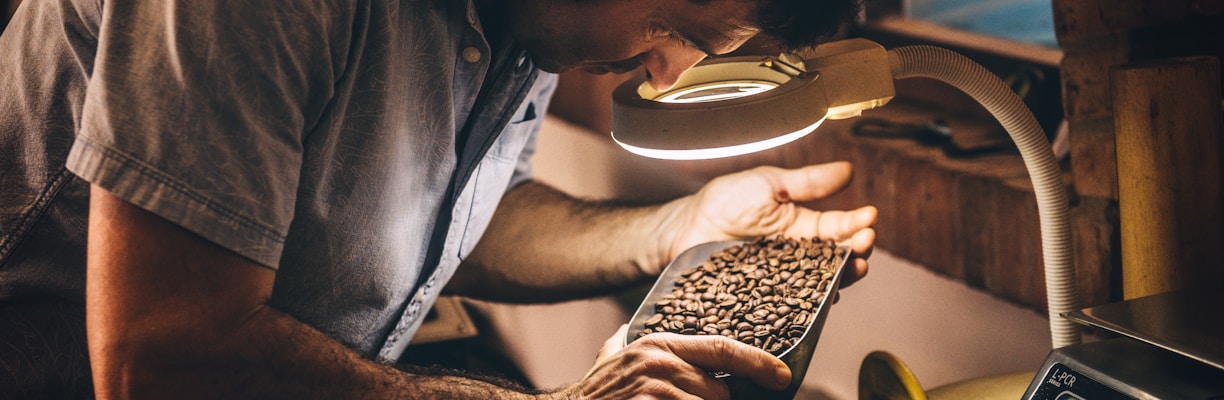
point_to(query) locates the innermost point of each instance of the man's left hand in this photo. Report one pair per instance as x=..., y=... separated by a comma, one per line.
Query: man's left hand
x=764, y=201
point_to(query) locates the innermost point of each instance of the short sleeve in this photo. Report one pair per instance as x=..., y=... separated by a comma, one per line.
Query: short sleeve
x=197, y=111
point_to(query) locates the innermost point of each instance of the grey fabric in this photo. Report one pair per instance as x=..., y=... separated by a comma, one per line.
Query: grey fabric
x=316, y=138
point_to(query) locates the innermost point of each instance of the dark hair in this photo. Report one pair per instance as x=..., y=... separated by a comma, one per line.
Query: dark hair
x=800, y=24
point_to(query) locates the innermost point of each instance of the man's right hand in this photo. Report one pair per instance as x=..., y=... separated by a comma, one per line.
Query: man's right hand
x=673, y=366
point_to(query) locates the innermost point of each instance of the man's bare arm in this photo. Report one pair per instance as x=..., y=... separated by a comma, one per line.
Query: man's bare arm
x=171, y=315
x=544, y=246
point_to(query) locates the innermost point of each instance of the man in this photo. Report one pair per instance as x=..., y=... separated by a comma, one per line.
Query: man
x=249, y=200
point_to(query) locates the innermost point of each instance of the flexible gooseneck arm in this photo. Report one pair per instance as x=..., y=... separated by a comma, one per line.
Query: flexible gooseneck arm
x=1062, y=292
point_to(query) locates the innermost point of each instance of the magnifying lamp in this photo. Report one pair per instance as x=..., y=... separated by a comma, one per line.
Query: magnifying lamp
x=731, y=106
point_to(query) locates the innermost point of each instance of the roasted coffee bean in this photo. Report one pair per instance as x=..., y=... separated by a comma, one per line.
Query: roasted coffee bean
x=761, y=292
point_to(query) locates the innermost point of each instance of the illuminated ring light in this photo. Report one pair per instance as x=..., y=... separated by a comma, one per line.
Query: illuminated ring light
x=720, y=108
x=716, y=91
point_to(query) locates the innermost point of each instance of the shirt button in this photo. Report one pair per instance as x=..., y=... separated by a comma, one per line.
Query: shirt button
x=471, y=54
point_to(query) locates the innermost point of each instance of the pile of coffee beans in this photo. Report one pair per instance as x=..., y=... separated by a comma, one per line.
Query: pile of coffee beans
x=764, y=292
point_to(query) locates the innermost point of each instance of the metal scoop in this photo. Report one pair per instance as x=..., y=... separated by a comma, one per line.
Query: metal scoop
x=797, y=357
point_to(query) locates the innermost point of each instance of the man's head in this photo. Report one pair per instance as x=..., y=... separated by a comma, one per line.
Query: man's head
x=666, y=36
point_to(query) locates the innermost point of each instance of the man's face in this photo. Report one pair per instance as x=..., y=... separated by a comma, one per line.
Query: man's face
x=667, y=37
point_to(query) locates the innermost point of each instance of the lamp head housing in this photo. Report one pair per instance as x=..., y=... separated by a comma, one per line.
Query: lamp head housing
x=737, y=105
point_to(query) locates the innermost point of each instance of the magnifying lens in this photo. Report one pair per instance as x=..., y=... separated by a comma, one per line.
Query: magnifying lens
x=737, y=105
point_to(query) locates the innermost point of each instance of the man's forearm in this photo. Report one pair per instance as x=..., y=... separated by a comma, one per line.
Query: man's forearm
x=300, y=362
x=546, y=246
x=271, y=355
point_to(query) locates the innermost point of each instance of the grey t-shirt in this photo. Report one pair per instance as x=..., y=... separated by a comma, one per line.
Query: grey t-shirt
x=317, y=138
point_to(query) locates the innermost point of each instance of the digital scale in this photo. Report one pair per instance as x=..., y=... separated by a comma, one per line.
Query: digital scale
x=1171, y=346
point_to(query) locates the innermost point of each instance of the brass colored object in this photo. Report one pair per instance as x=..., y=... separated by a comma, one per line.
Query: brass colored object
x=883, y=376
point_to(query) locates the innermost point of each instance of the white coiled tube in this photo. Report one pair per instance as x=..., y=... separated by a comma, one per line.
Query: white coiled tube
x=1062, y=293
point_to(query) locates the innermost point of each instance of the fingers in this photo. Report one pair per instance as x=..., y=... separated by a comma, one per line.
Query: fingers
x=836, y=225
x=861, y=245
x=697, y=382
x=717, y=353
x=812, y=182
x=647, y=372
x=857, y=270
x=671, y=366
x=849, y=228
x=842, y=224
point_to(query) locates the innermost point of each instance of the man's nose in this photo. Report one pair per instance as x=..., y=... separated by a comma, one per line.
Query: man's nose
x=666, y=64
